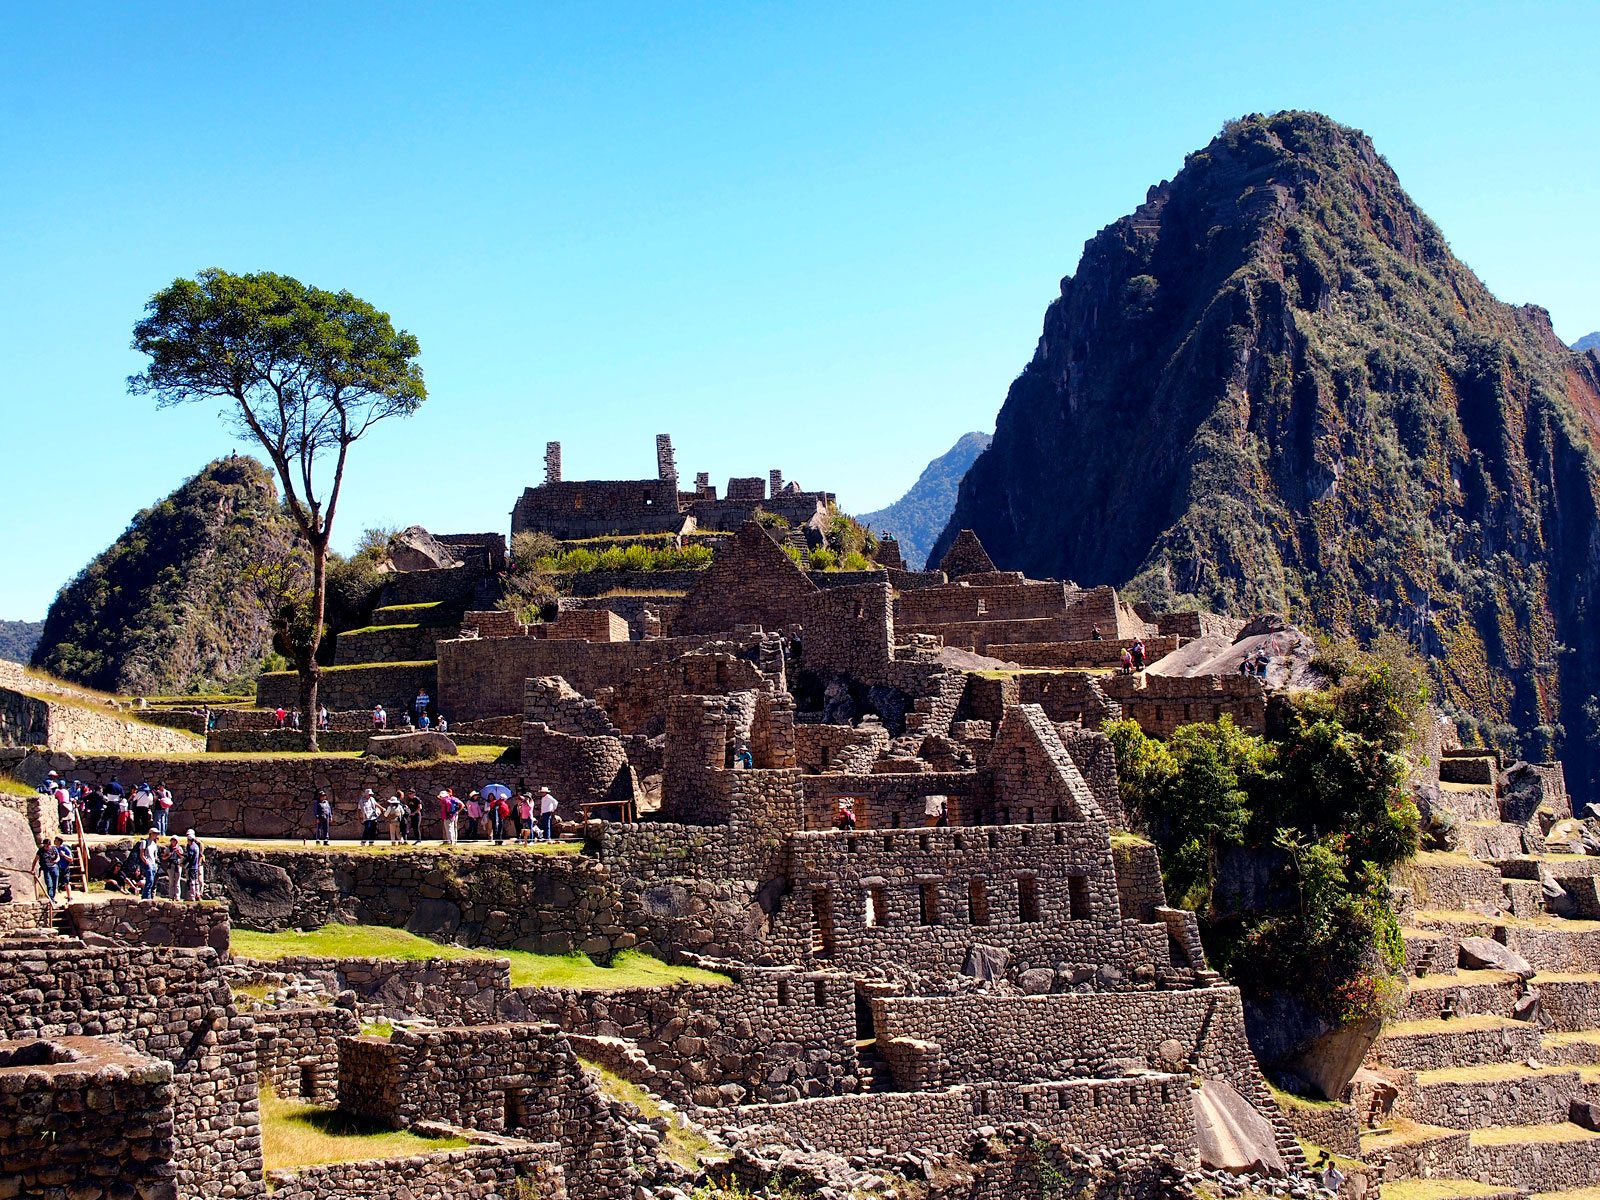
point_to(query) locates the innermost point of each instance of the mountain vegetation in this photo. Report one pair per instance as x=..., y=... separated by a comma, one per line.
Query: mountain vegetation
x=917, y=518
x=1273, y=386
x=164, y=609
x=18, y=638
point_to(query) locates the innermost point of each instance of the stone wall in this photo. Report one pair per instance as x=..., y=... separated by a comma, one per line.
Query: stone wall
x=501, y=1172
x=83, y=1117
x=172, y=1005
x=154, y=922
x=839, y=749
x=262, y=796
x=1104, y=653
x=516, y=1080
x=393, y=685
x=850, y=631
x=892, y=800
x=447, y=585
x=1152, y=1110
x=484, y=677
x=26, y=721
x=751, y=581
x=1163, y=703
x=1140, y=890
x=297, y=1050
x=453, y=990
x=391, y=643
x=521, y=900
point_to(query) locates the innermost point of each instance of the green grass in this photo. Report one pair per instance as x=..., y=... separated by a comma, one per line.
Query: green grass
x=421, y=662
x=1504, y=1135
x=1500, y=1072
x=377, y=1029
x=1404, y=1131
x=300, y=1135
x=629, y=969
x=1123, y=838
x=420, y=607
x=1290, y=1100
x=1437, y=1189
x=14, y=787
x=1468, y=1024
x=684, y=1146
x=1314, y=1153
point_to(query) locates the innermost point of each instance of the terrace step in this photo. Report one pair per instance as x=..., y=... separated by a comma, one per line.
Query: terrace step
x=1495, y=1094
x=1442, y=880
x=1462, y=993
x=1577, y=1048
x=1543, y=1158
x=1408, y=1150
x=1444, y=1189
x=1458, y=1042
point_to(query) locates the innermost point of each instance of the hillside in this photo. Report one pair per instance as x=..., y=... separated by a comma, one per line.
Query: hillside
x=917, y=518
x=1589, y=341
x=164, y=609
x=18, y=638
x=1273, y=386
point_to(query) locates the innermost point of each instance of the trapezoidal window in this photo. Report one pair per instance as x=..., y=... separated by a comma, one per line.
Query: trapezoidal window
x=577, y=500
x=513, y=1109
x=930, y=904
x=1078, y=898
x=822, y=922
x=978, y=902
x=1027, y=899
x=877, y=910
x=308, y=1081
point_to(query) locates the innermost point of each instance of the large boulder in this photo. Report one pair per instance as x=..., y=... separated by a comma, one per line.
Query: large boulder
x=435, y=917
x=411, y=745
x=415, y=549
x=1486, y=954
x=17, y=851
x=1331, y=1060
x=261, y=895
x=1230, y=1135
x=986, y=962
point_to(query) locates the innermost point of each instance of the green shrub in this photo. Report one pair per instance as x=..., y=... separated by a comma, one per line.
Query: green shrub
x=855, y=561
x=823, y=559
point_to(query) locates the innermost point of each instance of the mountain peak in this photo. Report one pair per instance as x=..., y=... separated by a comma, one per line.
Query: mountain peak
x=918, y=516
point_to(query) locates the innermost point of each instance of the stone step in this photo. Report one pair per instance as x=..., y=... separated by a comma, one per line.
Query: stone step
x=1472, y=993
x=1542, y=1158
x=1458, y=1042
x=1443, y=880
x=1494, y=1094
x=1429, y=952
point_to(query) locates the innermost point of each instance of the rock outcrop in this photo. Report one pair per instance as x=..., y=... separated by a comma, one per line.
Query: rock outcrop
x=1272, y=386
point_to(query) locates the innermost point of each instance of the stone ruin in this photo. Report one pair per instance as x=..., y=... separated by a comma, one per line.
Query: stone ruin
x=981, y=962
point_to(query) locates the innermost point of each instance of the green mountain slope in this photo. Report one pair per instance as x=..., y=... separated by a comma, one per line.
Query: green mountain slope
x=917, y=518
x=1273, y=386
x=18, y=638
x=164, y=609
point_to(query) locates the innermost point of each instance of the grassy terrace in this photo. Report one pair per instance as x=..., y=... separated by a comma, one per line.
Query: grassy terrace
x=1501, y=1072
x=384, y=666
x=1438, y=1189
x=1403, y=1131
x=1469, y=1024
x=1468, y=978
x=1507, y=1135
x=629, y=969
x=301, y=1135
x=469, y=753
x=353, y=847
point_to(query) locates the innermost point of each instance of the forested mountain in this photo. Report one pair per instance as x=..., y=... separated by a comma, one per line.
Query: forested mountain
x=917, y=517
x=168, y=606
x=1274, y=386
x=18, y=638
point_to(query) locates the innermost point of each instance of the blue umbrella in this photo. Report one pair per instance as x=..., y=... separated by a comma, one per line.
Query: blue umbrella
x=495, y=791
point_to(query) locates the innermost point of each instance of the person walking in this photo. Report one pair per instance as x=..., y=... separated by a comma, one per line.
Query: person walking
x=64, y=861
x=322, y=717
x=846, y=818
x=497, y=807
x=144, y=802
x=421, y=704
x=449, y=810
x=1138, y=654
x=1127, y=661
x=396, y=812
x=163, y=809
x=379, y=717
x=547, y=814
x=414, y=809
x=370, y=812
x=149, y=860
x=49, y=858
x=321, y=814
x=194, y=866
x=524, y=818
x=474, y=815
x=124, y=815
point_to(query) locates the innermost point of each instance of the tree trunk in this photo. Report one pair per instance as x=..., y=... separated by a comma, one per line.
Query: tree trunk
x=310, y=673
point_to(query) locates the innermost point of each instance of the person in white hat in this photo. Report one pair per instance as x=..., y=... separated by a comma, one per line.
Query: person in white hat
x=449, y=811
x=371, y=810
x=547, y=814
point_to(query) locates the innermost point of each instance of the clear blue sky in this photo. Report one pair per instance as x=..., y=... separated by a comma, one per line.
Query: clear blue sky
x=808, y=236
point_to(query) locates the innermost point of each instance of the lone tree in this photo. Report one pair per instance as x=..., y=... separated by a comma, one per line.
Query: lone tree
x=306, y=372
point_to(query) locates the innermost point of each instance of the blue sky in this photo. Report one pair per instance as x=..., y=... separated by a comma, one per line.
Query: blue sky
x=807, y=236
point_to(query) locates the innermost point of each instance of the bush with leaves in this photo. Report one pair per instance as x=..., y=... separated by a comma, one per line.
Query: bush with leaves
x=1324, y=796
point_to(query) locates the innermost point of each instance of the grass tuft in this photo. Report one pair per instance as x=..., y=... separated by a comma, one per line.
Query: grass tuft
x=300, y=1135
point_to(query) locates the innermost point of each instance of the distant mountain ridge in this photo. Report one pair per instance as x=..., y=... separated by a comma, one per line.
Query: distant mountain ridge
x=917, y=517
x=1273, y=386
x=1589, y=341
x=18, y=638
x=166, y=607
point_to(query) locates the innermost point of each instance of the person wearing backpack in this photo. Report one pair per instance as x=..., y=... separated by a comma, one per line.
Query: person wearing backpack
x=449, y=811
x=163, y=809
x=396, y=812
x=49, y=857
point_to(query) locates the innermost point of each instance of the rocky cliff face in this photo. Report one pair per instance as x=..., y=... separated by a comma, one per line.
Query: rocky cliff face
x=1273, y=386
x=917, y=517
x=166, y=608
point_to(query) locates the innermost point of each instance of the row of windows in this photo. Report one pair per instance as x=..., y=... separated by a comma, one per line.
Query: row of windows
x=961, y=841
x=875, y=907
